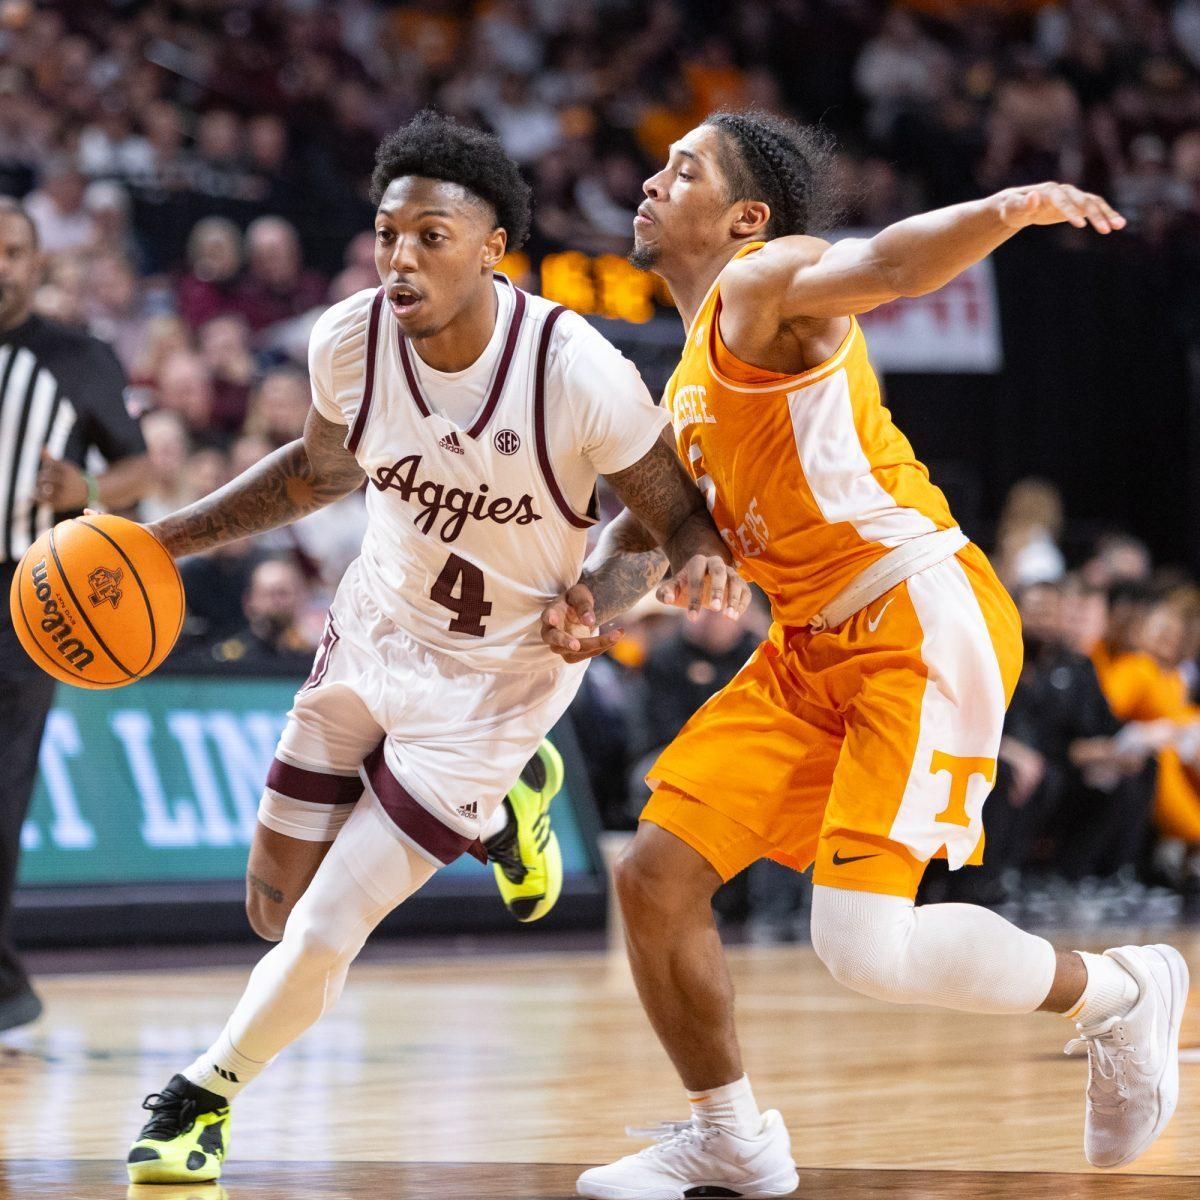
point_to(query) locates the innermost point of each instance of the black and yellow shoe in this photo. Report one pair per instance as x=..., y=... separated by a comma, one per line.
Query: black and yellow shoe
x=186, y=1138
x=525, y=854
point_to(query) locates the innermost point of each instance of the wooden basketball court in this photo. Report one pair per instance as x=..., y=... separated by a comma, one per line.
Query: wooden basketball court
x=500, y=1076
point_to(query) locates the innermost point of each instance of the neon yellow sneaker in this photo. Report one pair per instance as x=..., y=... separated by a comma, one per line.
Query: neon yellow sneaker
x=186, y=1138
x=525, y=854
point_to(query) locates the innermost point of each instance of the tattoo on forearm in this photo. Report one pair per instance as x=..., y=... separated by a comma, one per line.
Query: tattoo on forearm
x=621, y=581
x=297, y=479
x=659, y=493
x=264, y=888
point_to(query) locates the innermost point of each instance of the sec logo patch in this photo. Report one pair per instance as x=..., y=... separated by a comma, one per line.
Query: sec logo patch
x=507, y=441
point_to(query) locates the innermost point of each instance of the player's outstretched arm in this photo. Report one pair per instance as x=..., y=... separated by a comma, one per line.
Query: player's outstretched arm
x=295, y=480
x=804, y=277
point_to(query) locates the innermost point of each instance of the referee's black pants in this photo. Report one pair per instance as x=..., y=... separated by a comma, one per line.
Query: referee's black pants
x=26, y=695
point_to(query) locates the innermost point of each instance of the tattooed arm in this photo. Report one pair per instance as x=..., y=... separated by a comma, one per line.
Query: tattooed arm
x=665, y=526
x=296, y=479
x=626, y=564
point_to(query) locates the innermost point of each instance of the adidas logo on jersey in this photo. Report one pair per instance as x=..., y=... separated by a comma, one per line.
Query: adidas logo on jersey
x=450, y=442
x=468, y=810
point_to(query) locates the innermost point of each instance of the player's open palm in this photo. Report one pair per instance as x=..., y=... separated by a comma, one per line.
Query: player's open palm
x=1055, y=203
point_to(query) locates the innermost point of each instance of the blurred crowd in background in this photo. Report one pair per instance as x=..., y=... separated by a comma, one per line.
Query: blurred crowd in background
x=198, y=170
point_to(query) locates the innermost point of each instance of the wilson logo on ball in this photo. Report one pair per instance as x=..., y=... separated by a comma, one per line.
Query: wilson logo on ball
x=61, y=631
x=507, y=441
x=105, y=585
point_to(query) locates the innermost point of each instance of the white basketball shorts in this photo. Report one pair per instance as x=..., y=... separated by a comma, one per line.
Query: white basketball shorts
x=435, y=743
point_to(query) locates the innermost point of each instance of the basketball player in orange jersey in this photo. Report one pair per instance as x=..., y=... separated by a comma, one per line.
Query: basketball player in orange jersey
x=481, y=418
x=862, y=735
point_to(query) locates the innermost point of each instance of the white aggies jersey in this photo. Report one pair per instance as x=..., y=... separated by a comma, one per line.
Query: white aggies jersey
x=473, y=529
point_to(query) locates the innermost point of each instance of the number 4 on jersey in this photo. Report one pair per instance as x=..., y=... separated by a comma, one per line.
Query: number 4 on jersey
x=469, y=606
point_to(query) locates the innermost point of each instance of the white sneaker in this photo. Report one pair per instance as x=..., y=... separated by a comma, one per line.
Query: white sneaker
x=1133, y=1061
x=690, y=1159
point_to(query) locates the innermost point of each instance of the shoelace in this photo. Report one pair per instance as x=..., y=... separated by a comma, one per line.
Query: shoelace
x=172, y=1115
x=673, y=1135
x=1109, y=1053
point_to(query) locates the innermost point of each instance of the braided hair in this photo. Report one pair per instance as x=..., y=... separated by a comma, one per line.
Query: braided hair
x=786, y=165
x=438, y=147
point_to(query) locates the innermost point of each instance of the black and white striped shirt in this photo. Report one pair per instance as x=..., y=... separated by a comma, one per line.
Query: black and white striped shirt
x=61, y=390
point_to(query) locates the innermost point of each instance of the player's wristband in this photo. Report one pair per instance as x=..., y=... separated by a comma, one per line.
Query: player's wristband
x=93, y=490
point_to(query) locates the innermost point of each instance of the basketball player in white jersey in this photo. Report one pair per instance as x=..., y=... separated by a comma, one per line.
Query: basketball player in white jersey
x=480, y=418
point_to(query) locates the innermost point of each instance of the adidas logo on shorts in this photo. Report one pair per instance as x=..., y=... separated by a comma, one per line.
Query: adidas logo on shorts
x=450, y=442
x=468, y=810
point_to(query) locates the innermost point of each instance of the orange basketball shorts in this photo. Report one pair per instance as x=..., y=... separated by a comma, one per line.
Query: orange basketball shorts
x=867, y=749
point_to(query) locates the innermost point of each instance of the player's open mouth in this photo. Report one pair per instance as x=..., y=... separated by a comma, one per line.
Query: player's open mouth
x=404, y=301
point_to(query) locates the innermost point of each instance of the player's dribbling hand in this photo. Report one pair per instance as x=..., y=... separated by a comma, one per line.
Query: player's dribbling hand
x=569, y=627
x=706, y=582
x=1054, y=203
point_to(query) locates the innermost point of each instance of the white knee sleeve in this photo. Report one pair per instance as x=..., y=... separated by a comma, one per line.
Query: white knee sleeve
x=363, y=877
x=956, y=956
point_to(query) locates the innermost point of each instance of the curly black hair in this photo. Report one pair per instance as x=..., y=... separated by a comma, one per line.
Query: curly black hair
x=786, y=165
x=438, y=147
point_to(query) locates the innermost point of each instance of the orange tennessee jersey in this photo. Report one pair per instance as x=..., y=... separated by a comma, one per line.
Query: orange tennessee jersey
x=806, y=476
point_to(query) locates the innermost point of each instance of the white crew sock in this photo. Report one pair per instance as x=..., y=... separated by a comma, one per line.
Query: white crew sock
x=222, y=1069
x=731, y=1107
x=495, y=823
x=1110, y=991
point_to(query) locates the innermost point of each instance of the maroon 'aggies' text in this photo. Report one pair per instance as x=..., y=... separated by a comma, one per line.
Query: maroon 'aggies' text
x=436, y=499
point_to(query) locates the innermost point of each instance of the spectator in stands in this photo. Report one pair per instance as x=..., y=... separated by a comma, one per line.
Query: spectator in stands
x=167, y=449
x=57, y=208
x=219, y=169
x=1027, y=535
x=271, y=641
x=108, y=203
x=117, y=309
x=185, y=388
x=359, y=272
x=899, y=70
x=25, y=133
x=280, y=406
x=1118, y=558
x=276, y=285
x=225, y=350
x=1036, y=128
x=110, y=147
x=209, y=289
x=63, y=294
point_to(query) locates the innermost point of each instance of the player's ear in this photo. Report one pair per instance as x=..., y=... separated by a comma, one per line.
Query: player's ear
x=494, y=247
x=749, y=219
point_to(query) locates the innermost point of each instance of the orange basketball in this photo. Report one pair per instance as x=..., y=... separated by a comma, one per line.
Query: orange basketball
x=97, y=602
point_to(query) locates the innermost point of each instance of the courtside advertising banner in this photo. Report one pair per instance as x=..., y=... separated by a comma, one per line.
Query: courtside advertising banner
x=161, y=782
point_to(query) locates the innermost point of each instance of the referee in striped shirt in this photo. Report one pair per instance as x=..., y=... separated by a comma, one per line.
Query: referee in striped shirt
x=61, y=395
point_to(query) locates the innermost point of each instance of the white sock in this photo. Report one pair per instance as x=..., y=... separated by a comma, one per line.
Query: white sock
x=731, y=1107
x=223, y=1069
x=1110, y=991
x=495, y=823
